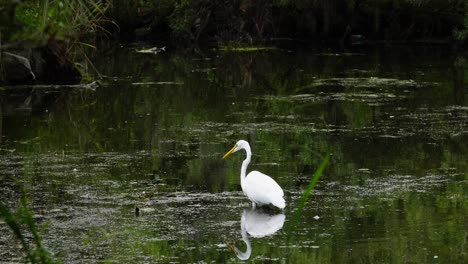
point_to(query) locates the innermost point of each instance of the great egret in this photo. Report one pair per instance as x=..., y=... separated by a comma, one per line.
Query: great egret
x=260, y=188
x=257, y=224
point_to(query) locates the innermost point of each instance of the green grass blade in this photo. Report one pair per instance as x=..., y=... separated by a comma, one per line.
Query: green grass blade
x=12, y=222
x=87, y=45
x=318, y=173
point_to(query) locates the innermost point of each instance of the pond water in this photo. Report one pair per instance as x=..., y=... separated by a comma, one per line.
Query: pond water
x=151, y=135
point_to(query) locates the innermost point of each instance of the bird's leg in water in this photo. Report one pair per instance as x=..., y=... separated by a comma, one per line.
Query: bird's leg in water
x=254, y=205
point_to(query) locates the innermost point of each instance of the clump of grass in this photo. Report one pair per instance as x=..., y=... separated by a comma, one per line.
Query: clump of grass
x=22, y=222
x=63, y=20
x=69, y=28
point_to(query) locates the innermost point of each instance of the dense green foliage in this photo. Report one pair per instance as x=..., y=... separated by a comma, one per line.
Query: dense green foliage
x=241, y=21
x=461, y=33
x=254, y=21
x=41, y=20
x=60, y=32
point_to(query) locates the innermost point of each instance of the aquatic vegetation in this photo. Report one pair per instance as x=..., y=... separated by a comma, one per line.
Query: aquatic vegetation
x=151, y=135
x=245, y=48
x=23, y=226
x=369, y=82
x=153, y=50
x=305, y=197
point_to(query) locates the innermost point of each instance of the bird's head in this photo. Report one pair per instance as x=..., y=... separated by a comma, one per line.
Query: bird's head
x=241, y=144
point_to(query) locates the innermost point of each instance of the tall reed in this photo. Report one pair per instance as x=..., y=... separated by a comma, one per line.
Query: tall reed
x=21, y=223
x=305, y=197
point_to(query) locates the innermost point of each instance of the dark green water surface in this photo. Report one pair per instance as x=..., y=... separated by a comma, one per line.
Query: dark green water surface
x=152, y=135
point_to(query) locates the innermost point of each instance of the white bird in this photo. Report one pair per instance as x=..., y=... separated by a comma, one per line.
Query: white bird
x=257, y=224
x=260, y=188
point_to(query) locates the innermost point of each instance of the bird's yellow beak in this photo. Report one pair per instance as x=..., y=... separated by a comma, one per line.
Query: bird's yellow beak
x=230, y=152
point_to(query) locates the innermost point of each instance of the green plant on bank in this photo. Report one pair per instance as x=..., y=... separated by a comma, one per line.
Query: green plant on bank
x=21, y=223
x=62, y=20
x=190, y=19
x=130, y=15
x=182, y=18
x=71, y=24
x=462, y=34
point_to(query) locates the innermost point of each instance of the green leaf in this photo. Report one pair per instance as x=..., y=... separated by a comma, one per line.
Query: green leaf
x=318, y=173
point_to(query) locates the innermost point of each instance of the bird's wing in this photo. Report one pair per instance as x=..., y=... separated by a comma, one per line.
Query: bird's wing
x=262, y=188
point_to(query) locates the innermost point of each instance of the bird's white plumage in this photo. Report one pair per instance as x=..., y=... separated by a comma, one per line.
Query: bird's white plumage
x=257, y=224
x=260, y=188
x=263, y=190
x=260, y=224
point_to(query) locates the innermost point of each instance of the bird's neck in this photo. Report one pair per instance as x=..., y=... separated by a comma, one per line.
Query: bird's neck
x=244, y=255
x=245, y=163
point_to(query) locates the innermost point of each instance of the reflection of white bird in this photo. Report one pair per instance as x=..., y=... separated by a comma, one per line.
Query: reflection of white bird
x=257, y=224
x=260, y=188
